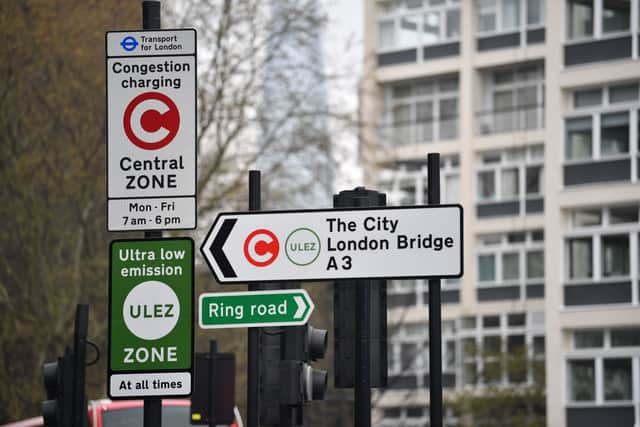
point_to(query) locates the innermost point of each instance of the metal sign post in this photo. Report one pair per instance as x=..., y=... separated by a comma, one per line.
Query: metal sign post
x=435, y=315
x=253, y=334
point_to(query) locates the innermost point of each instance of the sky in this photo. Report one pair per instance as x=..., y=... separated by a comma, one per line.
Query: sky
x=343, y=55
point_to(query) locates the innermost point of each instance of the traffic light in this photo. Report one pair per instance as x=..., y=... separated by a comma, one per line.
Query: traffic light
x=303, y=344
x=213, y=397
x=56, y=410
x=287, y=379
x=64, y=380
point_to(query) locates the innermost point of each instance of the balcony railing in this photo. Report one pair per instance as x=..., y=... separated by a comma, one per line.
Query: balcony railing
x=525, y=117
x=404, y=133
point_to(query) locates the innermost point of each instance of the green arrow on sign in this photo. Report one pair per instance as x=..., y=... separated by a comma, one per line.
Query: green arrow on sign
x=255, y=309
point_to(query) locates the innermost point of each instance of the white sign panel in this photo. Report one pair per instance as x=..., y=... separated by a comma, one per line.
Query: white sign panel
x=153, y=384
x=151, y=129
x=332, y=244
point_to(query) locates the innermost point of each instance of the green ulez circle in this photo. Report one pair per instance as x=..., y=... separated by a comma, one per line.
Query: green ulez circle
x=286, y=246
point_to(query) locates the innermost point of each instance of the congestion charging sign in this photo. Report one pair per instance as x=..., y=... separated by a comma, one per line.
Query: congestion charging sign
x=335, y=244
x=151, y=129
x=151, y=318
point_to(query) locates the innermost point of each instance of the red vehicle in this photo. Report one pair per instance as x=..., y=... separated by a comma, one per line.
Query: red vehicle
x=127, y=413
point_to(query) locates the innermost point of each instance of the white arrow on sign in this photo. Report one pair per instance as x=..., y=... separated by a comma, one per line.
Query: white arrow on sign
x=302, y=307
x=335, y=244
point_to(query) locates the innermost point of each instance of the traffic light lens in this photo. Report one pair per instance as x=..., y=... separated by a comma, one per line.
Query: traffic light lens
x=50, y=412
x=317, y=343
x=50, y=373
x=318, y=383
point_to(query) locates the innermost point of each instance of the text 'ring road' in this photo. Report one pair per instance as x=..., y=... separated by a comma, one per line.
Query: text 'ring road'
x=151, y=120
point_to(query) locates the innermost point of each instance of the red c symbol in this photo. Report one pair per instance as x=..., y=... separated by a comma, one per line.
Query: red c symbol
x=151, y=120
x=261, y=247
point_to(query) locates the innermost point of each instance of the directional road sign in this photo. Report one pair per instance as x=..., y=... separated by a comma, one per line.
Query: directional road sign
x=150, y=318
x=255, y=309
x=151, y=129
x=394, y=242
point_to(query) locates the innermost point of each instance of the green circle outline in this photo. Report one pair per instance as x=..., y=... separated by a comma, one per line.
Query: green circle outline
x=286, y=251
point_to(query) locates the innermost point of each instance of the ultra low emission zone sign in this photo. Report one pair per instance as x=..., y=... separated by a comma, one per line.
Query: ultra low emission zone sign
x=151, y=129
x=150, y=318
x=254, y=309
x=397, y=242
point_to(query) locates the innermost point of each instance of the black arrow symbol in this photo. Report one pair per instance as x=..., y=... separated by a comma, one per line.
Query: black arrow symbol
x=218, y=243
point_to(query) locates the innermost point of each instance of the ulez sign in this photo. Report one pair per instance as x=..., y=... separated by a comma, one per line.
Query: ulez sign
x=151, y=129
x=150, y=318
x=335, y=244
x=254, y=309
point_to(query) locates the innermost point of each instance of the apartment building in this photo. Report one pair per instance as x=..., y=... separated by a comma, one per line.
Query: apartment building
x=534, y=106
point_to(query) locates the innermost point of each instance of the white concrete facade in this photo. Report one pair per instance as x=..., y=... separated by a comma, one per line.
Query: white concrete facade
x=536, y=153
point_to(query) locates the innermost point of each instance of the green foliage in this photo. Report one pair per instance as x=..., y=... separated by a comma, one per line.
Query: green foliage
x=518, y=404
x=52, y=234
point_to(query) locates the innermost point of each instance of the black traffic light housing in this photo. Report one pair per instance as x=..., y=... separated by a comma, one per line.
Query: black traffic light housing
x=213, y=397
x=64, y=380
x=344, y=309
x=303, y=344
x=287, y=380
x=58, y=377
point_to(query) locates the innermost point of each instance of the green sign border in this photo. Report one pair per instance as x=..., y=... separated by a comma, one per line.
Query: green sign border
x=248, y=294
x=110, y=371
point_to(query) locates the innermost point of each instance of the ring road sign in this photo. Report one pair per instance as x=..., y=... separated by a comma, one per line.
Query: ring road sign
x=254, y=309
x=150, y=318
x=151, y=129
x=394, y=242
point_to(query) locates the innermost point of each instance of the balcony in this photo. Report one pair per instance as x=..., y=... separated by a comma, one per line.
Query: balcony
x=419, y=132
x=512, y=119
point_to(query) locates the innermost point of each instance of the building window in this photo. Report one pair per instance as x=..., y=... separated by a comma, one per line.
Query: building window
x=600, y=370
x=614, y=134
x=495, y=16
x=587, y=217
x=535, y=264
x=513, y=99
x=615, y=255
x=487, y=268
x=594, y=19
x=623, y=93
x=404, y=25
x=580, y=18
x=408, y=184
x=588, y=339
x=580, y=258
x=535, y=12
x=616, y=15
x=629, y=337
x=505, y=262
x=582, y=386
x=587, y=98
x=421, y=112
x=513, y=175
x=599, y=126
x=617, y=379
x=506, y=350
x=615, y=94
x=510, y=266
x=596, y=251
x=579, y=138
